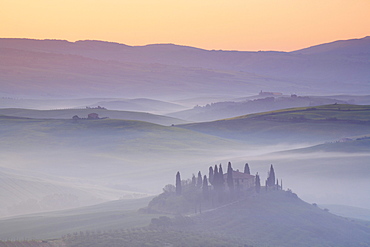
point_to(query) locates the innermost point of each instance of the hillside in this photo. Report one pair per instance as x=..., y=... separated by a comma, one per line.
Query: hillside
x=228, y=109
x=273, y=218
x=95, y=68
x=83, y=113
x=341, y=47
x=118, y=214
x=346, y=145
x=282, y=219
x=348, y=211
x=294, y=125
x=94, y=160
x=138, y=105
x=30, y=192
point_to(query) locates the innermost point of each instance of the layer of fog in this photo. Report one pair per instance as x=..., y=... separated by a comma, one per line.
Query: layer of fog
x=52, y=174
x=322, y=177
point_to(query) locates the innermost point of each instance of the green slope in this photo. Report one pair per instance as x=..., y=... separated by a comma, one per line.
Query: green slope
x=339, y=112
x=348, y=211
x=106, y=158
x=102, y=133
x=83, y=113
x=348, y=145
x=111, y=215
x=280, y=218
x=299, y=125
x=273, y=218
x=30, y=192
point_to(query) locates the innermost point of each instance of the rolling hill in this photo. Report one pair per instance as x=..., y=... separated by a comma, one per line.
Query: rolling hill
x=294, y=125
x=116, y=214
x=282, y=219
x=229, y=109
x=346, y=145
x=47, y=68
x=95, y=160
x=138, y=105
x=273, y=218
x=30, y=192
x=83, y=113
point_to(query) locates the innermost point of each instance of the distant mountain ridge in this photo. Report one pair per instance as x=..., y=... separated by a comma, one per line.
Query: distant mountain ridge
x=91, y=68
x=348, y=47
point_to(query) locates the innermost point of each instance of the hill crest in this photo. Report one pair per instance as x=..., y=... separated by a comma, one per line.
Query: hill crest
x=176, y=70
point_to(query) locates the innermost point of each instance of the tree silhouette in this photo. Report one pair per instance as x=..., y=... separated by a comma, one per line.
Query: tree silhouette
x=281, y=184
x=271, y=177
x=210, y=175
x=199, y=181
x=230, y=179
x=216, y=178
x=258, y=183
x=221, y=176
x=246, y=169
x=193, y=181
x=178, y=184
x=205, y=188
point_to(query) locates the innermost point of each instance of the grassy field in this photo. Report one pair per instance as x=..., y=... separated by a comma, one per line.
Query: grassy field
x=83, y=113
x=356, y=145
x=295, y=125
x=272, y=218
x=121, y=214
x=279, y=218
x=94, y=160
x=334, y=112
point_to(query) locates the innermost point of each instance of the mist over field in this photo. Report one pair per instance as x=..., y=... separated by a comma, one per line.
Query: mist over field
x=321, y=177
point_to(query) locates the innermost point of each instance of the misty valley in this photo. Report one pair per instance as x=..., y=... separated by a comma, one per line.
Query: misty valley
x=104, y=144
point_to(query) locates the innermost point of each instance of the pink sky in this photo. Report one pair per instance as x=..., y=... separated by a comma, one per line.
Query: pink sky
x=283, y=25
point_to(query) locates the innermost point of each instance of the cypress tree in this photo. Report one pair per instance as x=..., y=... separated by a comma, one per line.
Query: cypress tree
x=271, y=177
x=258, y=183
x=199, y=181
x=266, y=184
x=215, y=178
x=193, y=181
x=246, y=169
x=205, y=187
x=221, y=176
x=178, y=184
x=230, y=179
x=281, y=184
x=277, y=184
x=210, y=175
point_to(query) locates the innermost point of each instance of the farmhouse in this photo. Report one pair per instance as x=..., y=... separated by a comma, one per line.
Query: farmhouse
x=243, y=180
x=93, y=116
x=270, y=93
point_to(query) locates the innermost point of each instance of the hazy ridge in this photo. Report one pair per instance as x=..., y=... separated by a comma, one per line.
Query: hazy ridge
x=61, y=69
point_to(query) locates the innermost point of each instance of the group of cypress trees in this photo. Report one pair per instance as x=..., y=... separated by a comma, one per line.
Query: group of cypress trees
x=216, y=179
x=271, y=181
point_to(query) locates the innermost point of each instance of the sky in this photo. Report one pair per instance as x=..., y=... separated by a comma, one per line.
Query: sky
x=249, y=25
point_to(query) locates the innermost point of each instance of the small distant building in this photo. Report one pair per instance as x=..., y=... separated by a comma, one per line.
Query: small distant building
x=270, y=93
x=244, y=180
x=345, y=140
x=93, y=116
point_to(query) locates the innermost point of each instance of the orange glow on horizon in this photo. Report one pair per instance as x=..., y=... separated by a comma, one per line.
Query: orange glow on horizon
x=283, y=25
